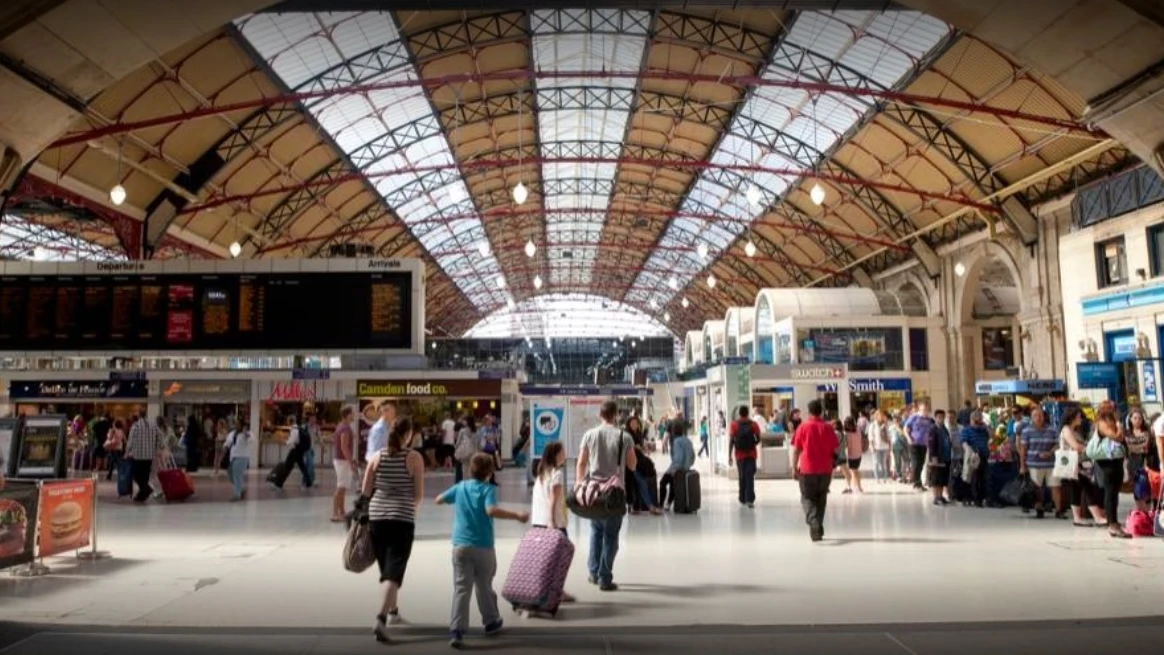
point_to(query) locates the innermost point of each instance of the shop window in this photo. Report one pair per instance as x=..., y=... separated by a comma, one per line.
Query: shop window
x=1156, y=249
x=919, y=353
x=863, y=349
x=1112, y=262
x=997, y=349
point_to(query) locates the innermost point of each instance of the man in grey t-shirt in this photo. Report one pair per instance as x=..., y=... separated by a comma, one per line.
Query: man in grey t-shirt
x=599, y=456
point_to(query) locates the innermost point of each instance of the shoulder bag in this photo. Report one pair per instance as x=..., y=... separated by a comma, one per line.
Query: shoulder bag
x=359, y=554
x=598, y=497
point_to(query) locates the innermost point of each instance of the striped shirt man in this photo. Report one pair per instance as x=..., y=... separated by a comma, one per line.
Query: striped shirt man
x=1040, y=444
x=145, y=441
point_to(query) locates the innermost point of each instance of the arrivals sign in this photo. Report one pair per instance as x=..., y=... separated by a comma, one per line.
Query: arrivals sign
x=66, y=516
x=459, y=388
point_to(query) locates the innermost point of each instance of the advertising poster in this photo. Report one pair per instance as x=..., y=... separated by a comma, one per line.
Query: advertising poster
x=582, y=415
x=7, y=436
x=18, y=504
x=66, y=516
x=997, y=349
x=42, y=448
x=1151, y=393
x=548, y=418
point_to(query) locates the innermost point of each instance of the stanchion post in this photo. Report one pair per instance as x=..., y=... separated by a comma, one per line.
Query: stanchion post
x=93, y=554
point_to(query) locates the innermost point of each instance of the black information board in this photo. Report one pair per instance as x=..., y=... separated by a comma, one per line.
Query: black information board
x=221, y=311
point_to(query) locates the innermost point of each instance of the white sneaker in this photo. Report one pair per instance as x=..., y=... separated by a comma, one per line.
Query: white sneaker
x=396, y=619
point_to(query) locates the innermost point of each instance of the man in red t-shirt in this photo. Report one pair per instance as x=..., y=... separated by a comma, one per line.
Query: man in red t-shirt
x=744, y=443
x=813, y=447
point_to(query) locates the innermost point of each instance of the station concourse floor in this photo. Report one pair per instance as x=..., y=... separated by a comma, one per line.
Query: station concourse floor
x=894, y=575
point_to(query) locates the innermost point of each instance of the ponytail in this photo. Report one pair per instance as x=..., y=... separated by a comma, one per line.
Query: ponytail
x=398, y=436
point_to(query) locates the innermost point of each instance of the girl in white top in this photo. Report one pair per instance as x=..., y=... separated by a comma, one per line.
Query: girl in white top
x=238, y=443
x=879, y=441
x=549, y=494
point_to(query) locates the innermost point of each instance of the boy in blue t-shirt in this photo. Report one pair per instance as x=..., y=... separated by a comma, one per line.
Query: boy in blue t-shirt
x=474, y=560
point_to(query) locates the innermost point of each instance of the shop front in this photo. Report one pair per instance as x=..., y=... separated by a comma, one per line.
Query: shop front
x=1007, y=393
x=216, y=405
x=291, y=401
x=119, y=399
x=885, y=394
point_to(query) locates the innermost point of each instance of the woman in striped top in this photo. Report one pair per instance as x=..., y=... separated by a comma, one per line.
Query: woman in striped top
x=394, y=483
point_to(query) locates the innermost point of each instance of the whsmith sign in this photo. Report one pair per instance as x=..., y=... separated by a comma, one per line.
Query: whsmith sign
x=467, y=388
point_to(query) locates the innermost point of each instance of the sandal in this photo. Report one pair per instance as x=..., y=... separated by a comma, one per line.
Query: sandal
x=1082, y=524
x=1119, y=534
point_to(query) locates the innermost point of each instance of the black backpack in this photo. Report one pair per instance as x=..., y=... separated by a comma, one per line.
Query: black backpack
x=304, y=443
x=746, y=437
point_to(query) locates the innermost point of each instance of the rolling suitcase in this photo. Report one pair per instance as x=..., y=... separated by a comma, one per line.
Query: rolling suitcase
x=537, y=575
x=177, y=484
x=124, y=478
x=685, y=487
x=278, y=475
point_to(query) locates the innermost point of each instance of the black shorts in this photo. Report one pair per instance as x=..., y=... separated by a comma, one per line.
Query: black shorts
x=392, y=541
x=855, y=464
x=938, y=476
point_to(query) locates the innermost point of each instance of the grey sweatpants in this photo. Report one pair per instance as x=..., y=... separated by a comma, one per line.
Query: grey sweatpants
x=473, y=567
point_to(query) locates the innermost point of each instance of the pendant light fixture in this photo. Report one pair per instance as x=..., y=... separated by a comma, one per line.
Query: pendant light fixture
x=666, y=317
x=235, y=249
x=710, y=281
x=530, y=249
x=702, y=250
x=754, y=197
x=537, y=282
x=456, y=190
x=686, y=303
x=654, y=303
x=673, y=283
x=750, y=248
x=959, y=269
x=500, y=281
x=510, y=303
x=483, y=248
x=117, y=193
x=817, y=194
x=520, y=193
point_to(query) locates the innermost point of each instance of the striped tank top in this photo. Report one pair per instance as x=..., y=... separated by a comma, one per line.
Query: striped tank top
x=393, y=492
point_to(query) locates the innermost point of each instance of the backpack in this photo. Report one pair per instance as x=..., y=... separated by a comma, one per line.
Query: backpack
x=746, y=438
x=304, y=442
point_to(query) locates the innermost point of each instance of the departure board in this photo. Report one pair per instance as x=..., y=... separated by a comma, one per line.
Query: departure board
x=158, y=312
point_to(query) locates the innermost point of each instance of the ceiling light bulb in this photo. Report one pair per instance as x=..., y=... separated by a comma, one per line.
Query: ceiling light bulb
x=711, y=281
x=537, y=282
x=500, y=281
x=686, y=303
x=235, y=249
x=456, y=193
x=520, y=193
x=673, y=283
x=117, y=194
x=959, y=269
x=530, y=248
x=817, y=194
x=666, y=317
x=753, y=196
x=702, y=250
x=483, y=248
x=509, y=302
x=654, y=303
x=750, y=249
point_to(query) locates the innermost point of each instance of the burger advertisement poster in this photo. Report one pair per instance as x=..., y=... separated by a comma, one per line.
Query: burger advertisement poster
x=66, y=516
x=18, y=504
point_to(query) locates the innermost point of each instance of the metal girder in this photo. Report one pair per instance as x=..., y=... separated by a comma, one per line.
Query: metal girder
x=469, y=34
x=581, y=21
x=730, y=39
x=583, y=186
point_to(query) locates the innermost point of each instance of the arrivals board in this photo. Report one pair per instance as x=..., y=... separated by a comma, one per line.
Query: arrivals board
x=146, y=308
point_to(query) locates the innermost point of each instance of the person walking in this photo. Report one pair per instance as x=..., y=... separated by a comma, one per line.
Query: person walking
x=704, y=436
x=344, y=461
x=474, y=557
x=144, y=443
x=378, y=434
x=114, y=447
x=743, y=446
x=1037, y=444
x=466, y=445
x=548, y=504
x=238, y=445
x=813, y=446
x=878, y=435
x=854, y=450
x=919, y=426
x=393, y=488
x=192, y=443
x=298, y=443
x=606, y=451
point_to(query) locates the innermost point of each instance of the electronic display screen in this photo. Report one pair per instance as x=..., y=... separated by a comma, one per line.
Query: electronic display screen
x=160, y=312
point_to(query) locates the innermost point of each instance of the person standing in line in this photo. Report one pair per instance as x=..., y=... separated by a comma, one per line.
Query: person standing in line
x=743, y=445
x=919, y=426
x=939, y=453
x=448, y=442
x=238, y=444
x=813, y=446
x=899, y=444
x=393, y=489
x=704, y=436
x=1112, y=469
x=1037, y=444
x=878, y=435
x=965, y=415
x=378, y=435
x=344, y=462
x=1081, y=491
x=474, y=558
x=466, y=445
x=144, y=443
x=1139, y=437
x=606, y=451
x=976, y=436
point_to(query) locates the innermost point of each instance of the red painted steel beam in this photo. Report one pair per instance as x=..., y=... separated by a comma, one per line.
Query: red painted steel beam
x=505, y=213
x=694, y=164
x=743, y=81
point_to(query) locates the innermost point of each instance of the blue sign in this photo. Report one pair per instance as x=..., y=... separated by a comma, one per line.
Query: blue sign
x=127, y=376
x=1121, y=346
x=871, y=385
x=735, y=361
x=1008, y=387
x=547, y=423
x=496, y=374
x=1151, y=393
x=586, y=391
x=310, y=374
x=1097, y=375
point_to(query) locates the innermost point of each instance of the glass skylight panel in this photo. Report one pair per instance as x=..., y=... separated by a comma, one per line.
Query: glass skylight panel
x=882, y=46
x=568, y=315
x=301, y=47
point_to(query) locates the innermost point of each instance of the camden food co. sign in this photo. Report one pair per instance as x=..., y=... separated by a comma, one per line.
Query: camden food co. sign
x=469, y=388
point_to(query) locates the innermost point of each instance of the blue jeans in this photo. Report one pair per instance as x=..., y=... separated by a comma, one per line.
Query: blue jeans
x=238, y=470
x=881, y=464
x=747, y=473
x=646, y=493
x=604, y=548
x=309, y=461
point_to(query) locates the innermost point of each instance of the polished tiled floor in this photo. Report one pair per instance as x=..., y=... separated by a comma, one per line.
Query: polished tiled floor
x=889, y=558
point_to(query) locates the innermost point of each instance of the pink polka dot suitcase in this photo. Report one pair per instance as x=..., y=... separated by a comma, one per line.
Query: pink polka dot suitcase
x=537, y=575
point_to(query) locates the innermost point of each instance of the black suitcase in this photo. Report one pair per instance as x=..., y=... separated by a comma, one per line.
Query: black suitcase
x=688, y=496
x=278, y=475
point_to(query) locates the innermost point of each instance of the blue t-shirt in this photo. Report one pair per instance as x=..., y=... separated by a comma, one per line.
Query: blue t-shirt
x=1040, y=444
x=472, y=526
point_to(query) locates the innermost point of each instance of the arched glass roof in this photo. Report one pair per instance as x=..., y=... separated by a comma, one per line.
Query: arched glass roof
x=568, y=315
